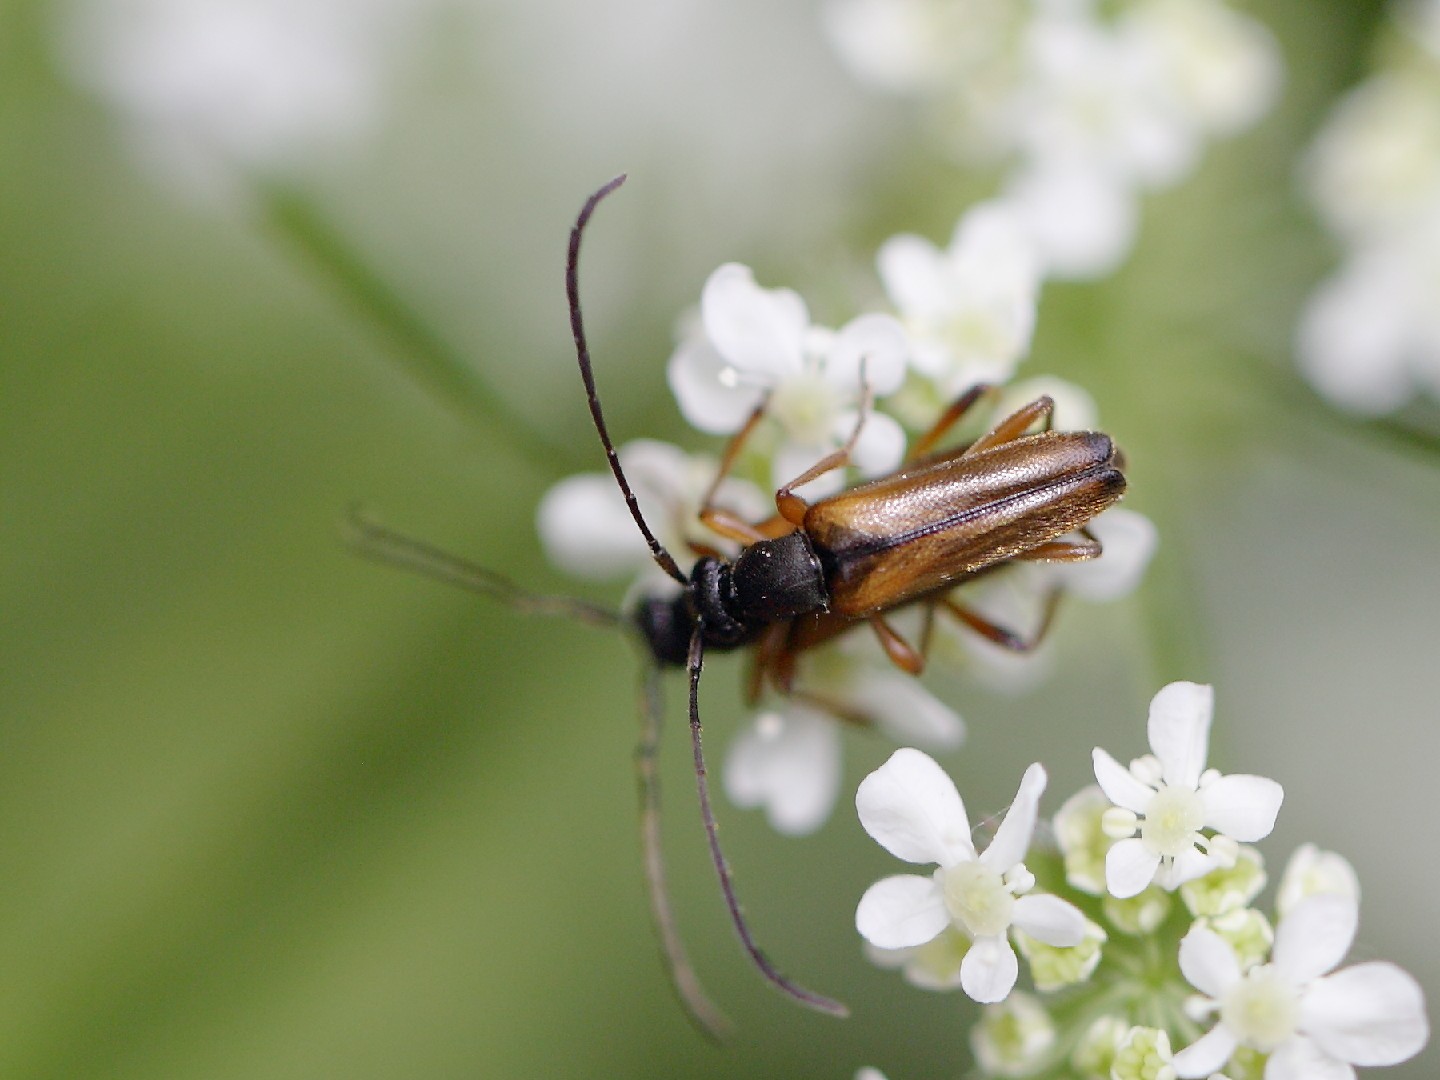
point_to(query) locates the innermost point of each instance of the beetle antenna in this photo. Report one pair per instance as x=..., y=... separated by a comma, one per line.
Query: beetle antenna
x=702, y=1012
x=722, y=868
x=385, y=545
x=662, y=557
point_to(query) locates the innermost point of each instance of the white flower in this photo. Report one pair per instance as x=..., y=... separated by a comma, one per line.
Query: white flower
x=1082, y=221
x=1375, y=166
x=1313, y=1024
x=759, y=345
x=587, y=530
x=934, y=965
x=1095, y=98
x=1168, y=798
x=969, y=310
x=1012, y=1038
x=1311, y=871
x=788, y=761
x=1222, y=68
x=911, y=808
x=208, y=85
x=1369, y=337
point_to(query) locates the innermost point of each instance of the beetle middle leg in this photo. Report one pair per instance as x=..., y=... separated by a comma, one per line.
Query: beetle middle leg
x=1016, y=424
x=791, y=506
x=1002, y=636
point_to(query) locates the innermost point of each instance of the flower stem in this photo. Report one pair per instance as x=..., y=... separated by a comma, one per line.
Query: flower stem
x=419, y=351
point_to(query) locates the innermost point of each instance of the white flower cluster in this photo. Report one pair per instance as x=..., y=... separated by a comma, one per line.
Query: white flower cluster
x=209, y=86
x=1272, y=1000
x=961, y=317
x=1084, y=105
x=1369, y=338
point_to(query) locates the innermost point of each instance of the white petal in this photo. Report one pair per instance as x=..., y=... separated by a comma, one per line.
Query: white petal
x=792, y=459
x=1300, y=1059
x=1208, y=962
x=1119, y=783
x=587, y=531
x=1206, y=1055
x=1315, y=936
x=709, y=400
x=1187, y=866
x=989, y=970
x=915, y=274
x=1049, y=919
x=877, y=340
x=1012, y=838
x=788, y=763
x=1242, y=807
x=1369, y=1014
x=912, y=810
x=1130, y=865
x=881, y=445
x=761, y=331
x=1311, y=871
x=1129, y=539
x=901, y=911
x=1179, y=730
x=904, y=710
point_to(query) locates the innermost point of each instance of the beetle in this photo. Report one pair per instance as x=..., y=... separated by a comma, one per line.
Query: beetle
x=814, y=571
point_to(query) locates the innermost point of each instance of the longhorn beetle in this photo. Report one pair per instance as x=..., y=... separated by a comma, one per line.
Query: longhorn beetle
x=813, y=571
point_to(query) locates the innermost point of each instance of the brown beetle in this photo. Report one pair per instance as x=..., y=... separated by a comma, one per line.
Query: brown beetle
x=814, y=571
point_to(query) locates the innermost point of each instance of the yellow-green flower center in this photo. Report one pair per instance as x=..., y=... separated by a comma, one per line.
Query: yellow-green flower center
x=1173, y=820
x=806, y=406
x=1261, y=1010
x=977, y=898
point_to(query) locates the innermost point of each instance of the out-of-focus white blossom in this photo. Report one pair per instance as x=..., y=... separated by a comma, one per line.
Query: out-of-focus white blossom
x=1369, y=337
x=1311, y=871
x=587, y=530
x=788, y=760
x=206, y=87
x=1087, y=108
x=1011, y=1038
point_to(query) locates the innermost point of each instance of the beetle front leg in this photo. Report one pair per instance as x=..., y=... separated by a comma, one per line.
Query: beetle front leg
x=791, y=506
x=953, y=414
x=717, y=519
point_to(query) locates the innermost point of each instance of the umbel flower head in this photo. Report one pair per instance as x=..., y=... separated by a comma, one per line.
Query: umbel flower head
x=1315, y=1023
x=911, y=808
x=1167, y=801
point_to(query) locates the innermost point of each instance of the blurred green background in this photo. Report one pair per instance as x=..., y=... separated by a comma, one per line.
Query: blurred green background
x=268, y=810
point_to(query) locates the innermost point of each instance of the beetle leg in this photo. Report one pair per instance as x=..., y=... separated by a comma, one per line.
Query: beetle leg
x=925, y=444
x=901, y=653
x=1016, y=424
x=1062, y=551
x=716, y=518
x=770, y=652
x=791, y=506
x=1006, y=638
